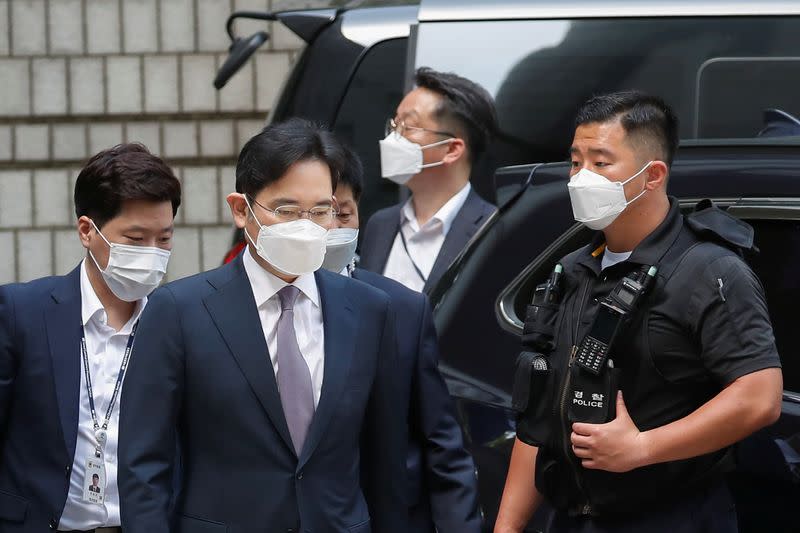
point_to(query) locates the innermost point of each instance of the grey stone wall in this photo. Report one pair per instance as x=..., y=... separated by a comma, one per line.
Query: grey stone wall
x=78, y=76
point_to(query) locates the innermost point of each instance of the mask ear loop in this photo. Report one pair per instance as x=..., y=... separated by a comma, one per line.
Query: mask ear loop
x=438, y=143
x=629, y=202
x=100, y=233
x=260, y=225
x=110, y=247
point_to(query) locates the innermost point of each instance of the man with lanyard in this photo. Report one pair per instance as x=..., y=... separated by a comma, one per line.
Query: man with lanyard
x=65, y=342
x=442, y=486
x=433, y=142
x=694, y=363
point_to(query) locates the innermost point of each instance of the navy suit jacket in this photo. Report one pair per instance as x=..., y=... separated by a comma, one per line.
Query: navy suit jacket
x=200, y=373
x=383, y=226
x=40, y=325
x=442, y=487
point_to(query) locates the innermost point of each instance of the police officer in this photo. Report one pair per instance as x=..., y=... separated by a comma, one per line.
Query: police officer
x=696, y=364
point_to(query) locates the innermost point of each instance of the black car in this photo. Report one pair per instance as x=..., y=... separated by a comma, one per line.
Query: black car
x=350, y=76
x=481, y=298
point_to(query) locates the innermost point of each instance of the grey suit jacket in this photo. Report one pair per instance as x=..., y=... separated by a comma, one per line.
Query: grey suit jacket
x=383, y=226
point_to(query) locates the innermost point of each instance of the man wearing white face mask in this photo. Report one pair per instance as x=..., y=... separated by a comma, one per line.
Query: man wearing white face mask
x=442, y=486
x=65, y=342
x=274, y=376
x=663, y=356
x=439, y=131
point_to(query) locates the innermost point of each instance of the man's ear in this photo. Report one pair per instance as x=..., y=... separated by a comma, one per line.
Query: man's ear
x=85, y=228
x=657, y=174
x=456, y=150
x=239, y=209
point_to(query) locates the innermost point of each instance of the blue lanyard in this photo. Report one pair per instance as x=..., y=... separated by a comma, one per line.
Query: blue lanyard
x=125, y=358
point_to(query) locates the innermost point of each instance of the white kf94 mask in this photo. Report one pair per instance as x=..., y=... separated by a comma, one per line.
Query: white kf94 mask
x=294, y=248
x=132, y=272
x=598, y=201
x=401, y=159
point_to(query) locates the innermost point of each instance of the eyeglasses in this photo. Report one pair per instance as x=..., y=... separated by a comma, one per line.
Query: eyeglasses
x=400, y=127
x=321, y=214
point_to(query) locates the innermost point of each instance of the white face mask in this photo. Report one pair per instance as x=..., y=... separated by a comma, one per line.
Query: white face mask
x=293, y=248
x=132, y=272
x=401, y=159
x=598, y=201
x=341, y=249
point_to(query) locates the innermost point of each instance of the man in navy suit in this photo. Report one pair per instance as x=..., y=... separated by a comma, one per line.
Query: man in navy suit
x=442, y=486
x=273, y=377
x=63, y=345
x=439, y=131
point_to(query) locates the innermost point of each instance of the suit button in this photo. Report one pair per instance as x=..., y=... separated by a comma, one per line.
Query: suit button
x=53, y=523
x=68, y=469
x=299, y=476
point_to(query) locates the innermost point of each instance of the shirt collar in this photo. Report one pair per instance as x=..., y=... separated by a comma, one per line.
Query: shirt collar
x=444, y=216
x=92, y=307
x=265, y=285
x=650, y=250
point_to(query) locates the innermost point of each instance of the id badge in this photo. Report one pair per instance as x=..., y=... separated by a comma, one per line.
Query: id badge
x=94, y=482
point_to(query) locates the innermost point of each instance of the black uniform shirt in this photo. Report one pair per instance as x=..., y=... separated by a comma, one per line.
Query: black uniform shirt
x=703, y=325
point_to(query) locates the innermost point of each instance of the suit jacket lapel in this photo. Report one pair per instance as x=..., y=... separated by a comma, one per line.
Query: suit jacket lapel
x=465, y=225
x=63, y=326
x=340, y=323
x=233, y=310
x=384, y=246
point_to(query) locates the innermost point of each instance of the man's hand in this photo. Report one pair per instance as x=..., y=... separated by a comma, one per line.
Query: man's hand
x=617, y=446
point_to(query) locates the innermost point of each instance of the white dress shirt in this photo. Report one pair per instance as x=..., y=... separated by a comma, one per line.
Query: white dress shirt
x=105, y=348
x=423, y=242
x=308, y=325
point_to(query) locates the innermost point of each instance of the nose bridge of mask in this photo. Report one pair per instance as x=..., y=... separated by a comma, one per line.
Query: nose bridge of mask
x=301, y=229
x=294, y=248
x=340, y=236
x=135, y=257
x=148, y=258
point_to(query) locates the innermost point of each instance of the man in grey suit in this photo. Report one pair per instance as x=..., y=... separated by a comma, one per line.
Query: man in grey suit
x=439, y=130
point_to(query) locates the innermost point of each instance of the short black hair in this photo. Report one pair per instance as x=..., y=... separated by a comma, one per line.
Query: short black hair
x=266, y=157
x=95, y=476
x=352, y=172
x=642, y=115
x=122, y=173
x=464, y=103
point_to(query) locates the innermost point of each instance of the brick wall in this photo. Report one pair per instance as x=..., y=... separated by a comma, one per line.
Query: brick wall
x=78, y=76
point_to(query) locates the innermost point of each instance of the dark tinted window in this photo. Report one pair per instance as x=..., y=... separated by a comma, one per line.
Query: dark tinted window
x=775, y=264
x=719, y=74
x=319, y=79
x=372, y=97
x=777, y=267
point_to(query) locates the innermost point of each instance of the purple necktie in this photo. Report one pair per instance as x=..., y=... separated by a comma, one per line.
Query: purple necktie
x=294, y=378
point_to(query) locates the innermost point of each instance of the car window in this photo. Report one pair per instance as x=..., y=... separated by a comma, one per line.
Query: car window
x=775, y=264
x=370, y=99
x=720, y=74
